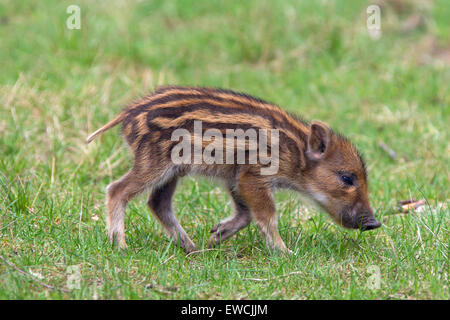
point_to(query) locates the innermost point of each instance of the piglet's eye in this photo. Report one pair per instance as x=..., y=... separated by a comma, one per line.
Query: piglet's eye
x=348, y=180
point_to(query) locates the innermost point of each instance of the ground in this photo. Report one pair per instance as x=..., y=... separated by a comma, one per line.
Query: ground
x=314, y=58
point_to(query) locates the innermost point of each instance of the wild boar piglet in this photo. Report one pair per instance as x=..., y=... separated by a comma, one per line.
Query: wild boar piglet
x=252, y=146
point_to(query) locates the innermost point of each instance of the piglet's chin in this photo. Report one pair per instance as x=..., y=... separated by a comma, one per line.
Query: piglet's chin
x=349, y=221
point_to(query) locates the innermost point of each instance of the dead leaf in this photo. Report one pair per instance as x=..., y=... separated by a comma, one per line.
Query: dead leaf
x=413, y=22
x=410, y=205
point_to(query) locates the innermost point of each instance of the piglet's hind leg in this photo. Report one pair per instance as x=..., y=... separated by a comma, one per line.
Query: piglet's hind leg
x=160, y=204
x=117, y=197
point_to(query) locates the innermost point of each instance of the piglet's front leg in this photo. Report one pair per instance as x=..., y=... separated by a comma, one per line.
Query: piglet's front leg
x=258, y=196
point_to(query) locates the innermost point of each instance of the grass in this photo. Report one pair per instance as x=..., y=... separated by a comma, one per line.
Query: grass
x=314, y=58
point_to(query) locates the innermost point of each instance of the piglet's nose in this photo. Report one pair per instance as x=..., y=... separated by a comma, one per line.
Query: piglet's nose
x=370, y=224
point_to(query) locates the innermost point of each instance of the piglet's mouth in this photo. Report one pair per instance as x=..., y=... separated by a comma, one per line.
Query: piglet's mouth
x=370, y=224
x=365, y=224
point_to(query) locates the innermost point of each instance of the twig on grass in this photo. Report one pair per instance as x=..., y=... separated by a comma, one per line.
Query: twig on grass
x=278, y=277
x=235, y=256
x=162, y=289
x=388, y=150
x=165, y=261
x=31, y=276
x=198, y=251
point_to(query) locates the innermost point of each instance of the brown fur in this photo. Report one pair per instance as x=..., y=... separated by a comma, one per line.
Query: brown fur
x=312, y=160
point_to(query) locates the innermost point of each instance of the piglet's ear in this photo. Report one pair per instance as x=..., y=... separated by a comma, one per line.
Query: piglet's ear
x=319, y=140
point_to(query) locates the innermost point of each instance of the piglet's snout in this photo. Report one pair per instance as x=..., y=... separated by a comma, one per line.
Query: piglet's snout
x=370, y=223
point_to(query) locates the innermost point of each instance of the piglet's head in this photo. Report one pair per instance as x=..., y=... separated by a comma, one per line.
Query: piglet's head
x=336, y=178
